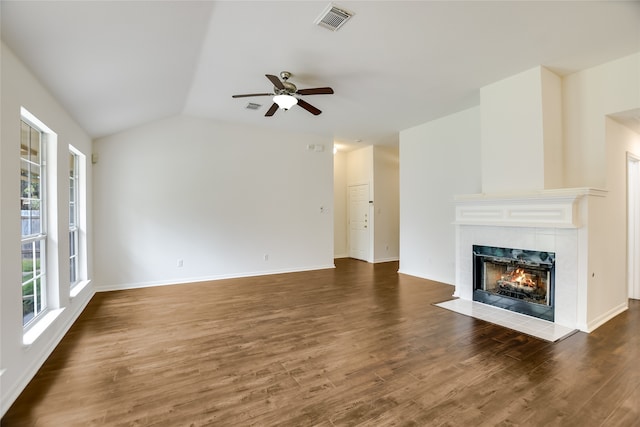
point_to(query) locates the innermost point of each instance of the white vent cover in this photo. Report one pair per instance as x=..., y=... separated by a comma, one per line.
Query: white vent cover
x=333, y=17
x=253, y=106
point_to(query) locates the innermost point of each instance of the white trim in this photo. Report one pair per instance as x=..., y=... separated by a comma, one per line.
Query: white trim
x=421, y=276
x=545, y=208
x=79, y=287
x=388, y=259
x=34, y=121
x=41, y=325
x=533, y=195
x=7, y=397
x=604, y=318
x=633, y=225
x=124, y=286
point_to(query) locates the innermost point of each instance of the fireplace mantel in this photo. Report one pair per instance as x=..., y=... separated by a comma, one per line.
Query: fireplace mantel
x=544, y=208
x=547, y=220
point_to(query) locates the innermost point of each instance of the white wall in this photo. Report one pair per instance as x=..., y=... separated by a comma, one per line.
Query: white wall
x=552, y=129
x=360, y=167
x=607, y=284
x=522, y=132
x=438, y=160
x=386, y=203
x=595, y=155
x=18, y=362
x=340, y=237
x=588, y=96
x=512, y=134
x=219, y=197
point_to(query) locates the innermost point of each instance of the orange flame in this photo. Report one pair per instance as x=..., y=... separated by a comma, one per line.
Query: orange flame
x=523, y=278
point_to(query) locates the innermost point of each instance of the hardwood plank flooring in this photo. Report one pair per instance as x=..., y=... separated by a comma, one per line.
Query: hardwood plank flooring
x=358, y=345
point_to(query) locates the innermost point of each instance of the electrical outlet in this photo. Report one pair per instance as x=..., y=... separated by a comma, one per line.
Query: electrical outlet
x=180, y=263
x=266, y=257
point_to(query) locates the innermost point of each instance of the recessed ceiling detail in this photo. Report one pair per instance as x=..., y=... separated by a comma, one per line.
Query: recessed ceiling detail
x=333, y=18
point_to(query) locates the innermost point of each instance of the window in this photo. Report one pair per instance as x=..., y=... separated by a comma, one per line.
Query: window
x=74, y=265
x=32, y=208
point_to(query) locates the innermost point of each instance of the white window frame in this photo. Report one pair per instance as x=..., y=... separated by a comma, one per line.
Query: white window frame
x=82, y=277
x=74, y=218
x=41, y=237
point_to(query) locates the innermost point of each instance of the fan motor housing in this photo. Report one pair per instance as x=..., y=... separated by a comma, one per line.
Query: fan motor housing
x=289, y=88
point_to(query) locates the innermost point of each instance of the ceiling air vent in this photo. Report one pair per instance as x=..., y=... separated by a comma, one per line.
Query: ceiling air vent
x=333, y=17
x=253, y=106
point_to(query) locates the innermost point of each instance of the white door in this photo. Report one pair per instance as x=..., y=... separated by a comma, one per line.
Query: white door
x=633, y=226
x=359, y=222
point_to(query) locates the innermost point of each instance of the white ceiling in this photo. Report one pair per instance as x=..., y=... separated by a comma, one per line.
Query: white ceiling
x=394, y=65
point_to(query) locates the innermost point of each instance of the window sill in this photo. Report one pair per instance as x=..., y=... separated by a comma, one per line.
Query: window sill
x=40, y=326
x=75, y=291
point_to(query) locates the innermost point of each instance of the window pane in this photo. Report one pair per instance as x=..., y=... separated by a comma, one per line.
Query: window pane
x=33, y=297
x=32, y=191
x=35, y=222
x=73, y=218
x=72, y=243
x=72, y=270
x=72, y=191
x=25, y=132
x=28, y=306
x=27, y=261
x=25, y=219
x=37, y=287
x=72, y=215
x=34, y=146
x=38, y=256
x=28, y=300
x=72, y=165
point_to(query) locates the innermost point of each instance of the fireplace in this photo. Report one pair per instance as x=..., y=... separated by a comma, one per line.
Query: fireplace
x=515, y=279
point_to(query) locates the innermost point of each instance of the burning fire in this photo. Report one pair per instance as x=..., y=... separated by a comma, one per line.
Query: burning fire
x=521, y=277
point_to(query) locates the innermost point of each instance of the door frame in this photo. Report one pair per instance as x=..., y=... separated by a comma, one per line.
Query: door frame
x=369, y=257
x=633, y=225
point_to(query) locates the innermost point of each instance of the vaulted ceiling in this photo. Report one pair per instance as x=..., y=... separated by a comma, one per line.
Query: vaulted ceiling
x=118, y=64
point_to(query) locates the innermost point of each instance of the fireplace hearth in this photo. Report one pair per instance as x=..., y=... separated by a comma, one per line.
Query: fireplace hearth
x=515, y=279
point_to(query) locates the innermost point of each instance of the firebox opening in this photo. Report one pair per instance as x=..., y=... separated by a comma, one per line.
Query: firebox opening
x=515, y=279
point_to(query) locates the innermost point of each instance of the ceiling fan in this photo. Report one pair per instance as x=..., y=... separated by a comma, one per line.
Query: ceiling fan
x=284, y=91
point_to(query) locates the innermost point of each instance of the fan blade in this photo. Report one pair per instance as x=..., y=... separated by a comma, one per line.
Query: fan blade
x=316, y=91
x=272, y=110
x=310, y=108
x=252, y=94
x=276, y=81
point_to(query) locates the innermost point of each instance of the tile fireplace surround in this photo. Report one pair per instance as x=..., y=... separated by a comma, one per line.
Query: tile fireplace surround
x=546, y=220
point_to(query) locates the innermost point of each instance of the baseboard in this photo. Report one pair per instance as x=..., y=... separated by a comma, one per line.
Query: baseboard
x=604, y=318
x=390, y=259
x=124, y=286
x=420, y=276
x=9, y=396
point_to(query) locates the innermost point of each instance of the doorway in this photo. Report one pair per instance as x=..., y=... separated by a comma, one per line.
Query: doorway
x=359, y=222
x=633, y=225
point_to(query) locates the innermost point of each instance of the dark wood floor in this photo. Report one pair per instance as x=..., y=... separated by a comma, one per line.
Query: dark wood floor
x=358, y=345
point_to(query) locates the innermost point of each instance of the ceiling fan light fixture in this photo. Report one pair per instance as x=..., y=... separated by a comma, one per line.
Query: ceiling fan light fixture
x=285, y=101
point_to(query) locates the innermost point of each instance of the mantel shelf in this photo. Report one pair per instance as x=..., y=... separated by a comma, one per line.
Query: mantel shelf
x=545, y=208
